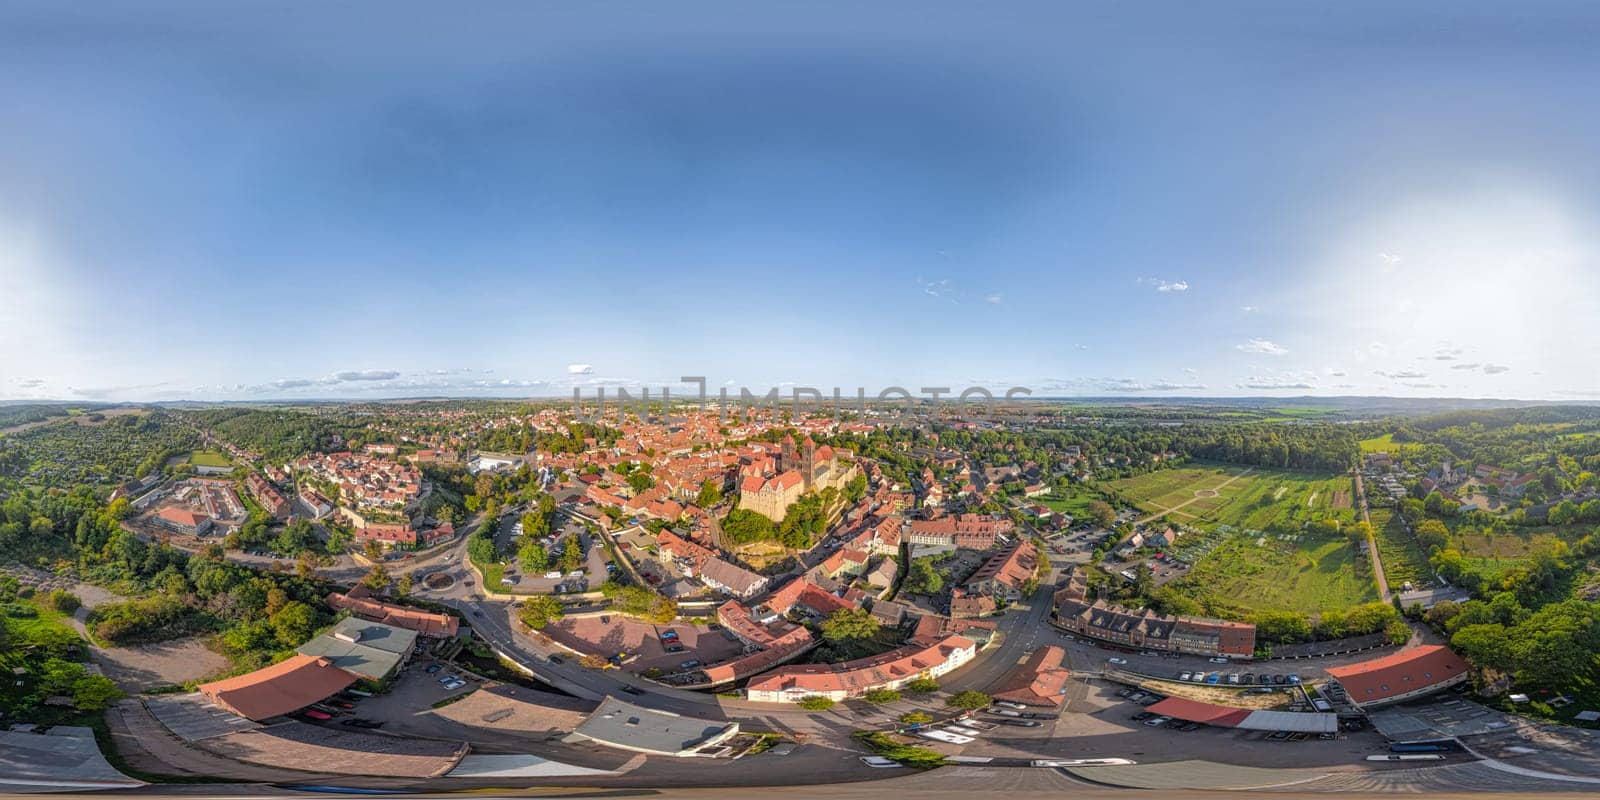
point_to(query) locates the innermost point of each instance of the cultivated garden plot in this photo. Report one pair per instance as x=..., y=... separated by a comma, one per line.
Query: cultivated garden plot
x=1298, y=572
x=1258, y=499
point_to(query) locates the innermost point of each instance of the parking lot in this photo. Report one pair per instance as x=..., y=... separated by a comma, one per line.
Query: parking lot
x=1097, y=723
x=418, y=688
x=551, y=580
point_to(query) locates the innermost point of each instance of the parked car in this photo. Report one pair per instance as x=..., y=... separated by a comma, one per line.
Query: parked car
x=879, y=762
x=432, y=668
x=317, y=715
x=1009, y=704
x=1218, y=660
x=690, y=664
x=555, y=659
x=1184, y=676
x=1118, y=661
x=1156, y=722
x=1019, y=723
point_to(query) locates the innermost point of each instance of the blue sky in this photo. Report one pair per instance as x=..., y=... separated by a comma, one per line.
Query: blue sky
x=243, y=201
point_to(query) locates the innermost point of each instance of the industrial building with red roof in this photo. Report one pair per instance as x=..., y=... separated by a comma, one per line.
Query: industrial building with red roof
x=1401, y=676
x=284, y=687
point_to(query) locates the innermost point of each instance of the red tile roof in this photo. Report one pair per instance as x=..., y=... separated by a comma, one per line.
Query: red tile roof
x=286, y=686
x=1399, y=673
x=1039, y=681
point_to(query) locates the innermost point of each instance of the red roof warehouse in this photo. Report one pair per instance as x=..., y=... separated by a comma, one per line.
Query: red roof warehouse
x=1401, y=676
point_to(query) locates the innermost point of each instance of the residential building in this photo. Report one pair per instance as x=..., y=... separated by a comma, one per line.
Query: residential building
x=371, y=650
x=184, y=521
x=920, y=658
x=1004, y=575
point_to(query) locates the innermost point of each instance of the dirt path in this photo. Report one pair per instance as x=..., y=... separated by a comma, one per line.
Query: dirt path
x=1372, y=541
x=142, y=667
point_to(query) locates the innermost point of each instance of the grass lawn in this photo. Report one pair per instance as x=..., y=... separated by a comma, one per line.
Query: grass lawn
x=1402, y=557
x=1074, y=502
x=1255, y=501
x=209, y=458
x=1266, y=572
x=1386, y=444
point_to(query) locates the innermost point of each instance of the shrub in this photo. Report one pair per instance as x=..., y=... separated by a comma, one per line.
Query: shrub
x=64, y=601
x=916, y=718
x=881, y=696
x=909, y=755
x=922, y=686
x=816, y=702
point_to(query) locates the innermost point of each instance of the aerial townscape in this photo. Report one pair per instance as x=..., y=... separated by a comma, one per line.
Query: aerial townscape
x=458, y=593
x=844, y=400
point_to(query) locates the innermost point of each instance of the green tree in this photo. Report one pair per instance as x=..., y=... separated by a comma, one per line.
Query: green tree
x=1101, y=513
x=743, y=526
x=539, y=611
x=293, y=623
x=922, y=686
x=849, y=624
x=710, y=494
x=916, y=718
x=377, y=579
x=968, y=700
x=533, y=556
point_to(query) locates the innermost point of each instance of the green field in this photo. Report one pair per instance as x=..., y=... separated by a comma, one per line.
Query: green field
x=1402, y=556
x=209, y=458
x=1259, y=499
x=1074, y=502
x=1385, y=444
x=1490, y=555
x=1301, y=573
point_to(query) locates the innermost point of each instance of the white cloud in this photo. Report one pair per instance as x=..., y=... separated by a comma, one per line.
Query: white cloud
x=1263, y=347
x=580, y=369
x=939, y=289
x=1273, y=383
x=1080, y=346
x=1191, y=370
x=367, y=375
x=1468, y=365
x=995, y=299
x=1390, y=258
x=1249, y=309
x=1400, y=375
x=1333, y=372
x=1165, y=285
x=1495, y=369
x=1118, y=385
